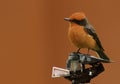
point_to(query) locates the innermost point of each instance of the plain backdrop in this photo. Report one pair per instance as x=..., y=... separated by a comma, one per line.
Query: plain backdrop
x=33, y=38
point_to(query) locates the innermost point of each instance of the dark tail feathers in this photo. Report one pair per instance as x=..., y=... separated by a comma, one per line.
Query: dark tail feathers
x=102, y=55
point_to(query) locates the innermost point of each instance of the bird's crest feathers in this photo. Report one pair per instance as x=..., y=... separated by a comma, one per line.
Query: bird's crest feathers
x=78, y=16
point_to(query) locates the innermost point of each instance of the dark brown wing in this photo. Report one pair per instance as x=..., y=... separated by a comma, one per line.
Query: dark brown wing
x=90, y=30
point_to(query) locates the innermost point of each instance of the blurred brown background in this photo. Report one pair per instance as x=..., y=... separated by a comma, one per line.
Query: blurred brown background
x=33, y=38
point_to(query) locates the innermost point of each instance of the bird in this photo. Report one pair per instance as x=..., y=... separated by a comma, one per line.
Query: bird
x=82, y=34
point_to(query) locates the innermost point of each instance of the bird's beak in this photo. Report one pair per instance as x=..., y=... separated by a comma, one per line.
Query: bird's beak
x=67, y=19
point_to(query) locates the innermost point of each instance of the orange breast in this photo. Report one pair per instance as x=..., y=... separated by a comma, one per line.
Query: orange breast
x=80, y=38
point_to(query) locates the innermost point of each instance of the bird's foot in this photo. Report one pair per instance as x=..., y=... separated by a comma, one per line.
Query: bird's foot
x=88, y=51
x=78, y=50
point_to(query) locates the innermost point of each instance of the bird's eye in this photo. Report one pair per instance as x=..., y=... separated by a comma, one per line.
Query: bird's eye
x=82, y=22
x=74, y=20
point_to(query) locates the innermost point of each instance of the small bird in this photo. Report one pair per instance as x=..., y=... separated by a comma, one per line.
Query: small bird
x=83, y=35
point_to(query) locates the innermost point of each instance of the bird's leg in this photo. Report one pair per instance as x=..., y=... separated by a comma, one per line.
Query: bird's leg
x=88, y=51
x=78, y=50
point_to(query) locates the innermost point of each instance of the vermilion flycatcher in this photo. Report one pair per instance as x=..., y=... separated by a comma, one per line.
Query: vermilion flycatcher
x=83, y=35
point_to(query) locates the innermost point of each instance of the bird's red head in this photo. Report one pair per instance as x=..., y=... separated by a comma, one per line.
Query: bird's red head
x=76, y=16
